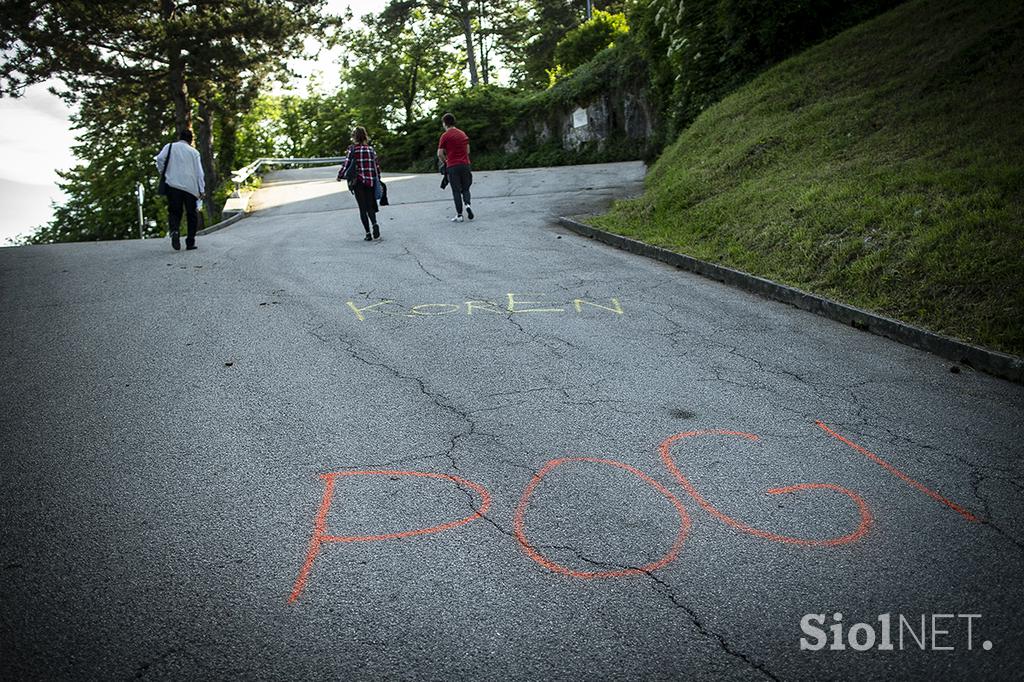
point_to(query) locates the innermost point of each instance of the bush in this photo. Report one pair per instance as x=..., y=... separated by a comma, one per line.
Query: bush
x=487, y=114
x=584, y=42
x=701, y=50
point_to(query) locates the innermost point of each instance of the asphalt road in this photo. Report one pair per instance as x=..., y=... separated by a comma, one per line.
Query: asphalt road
x=213, y=461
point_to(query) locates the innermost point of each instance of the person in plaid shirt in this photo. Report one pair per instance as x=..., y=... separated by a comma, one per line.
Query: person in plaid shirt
x=368, y=175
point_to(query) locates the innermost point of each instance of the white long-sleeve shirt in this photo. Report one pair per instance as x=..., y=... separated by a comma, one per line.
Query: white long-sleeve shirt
x=186, y=171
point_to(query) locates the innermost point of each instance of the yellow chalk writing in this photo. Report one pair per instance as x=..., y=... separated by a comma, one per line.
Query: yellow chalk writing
x=450, y=306
x=359, y=311
x=579, y=303
x=489, y=306
x=515, y=304
x=512, y=303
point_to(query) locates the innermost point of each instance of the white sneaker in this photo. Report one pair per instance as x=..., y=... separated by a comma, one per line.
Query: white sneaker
x=457, y=219
x=469, y=212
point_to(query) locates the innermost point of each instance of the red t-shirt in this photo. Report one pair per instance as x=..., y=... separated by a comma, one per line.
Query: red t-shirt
x=455, y=144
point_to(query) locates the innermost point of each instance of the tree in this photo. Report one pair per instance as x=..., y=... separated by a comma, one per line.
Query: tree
x=397, y=62
x=317, y=125
x=502, y=27
x=461, y=14
x=200, y=56
x=552, y=19
x=582, y=43
x=531, y=33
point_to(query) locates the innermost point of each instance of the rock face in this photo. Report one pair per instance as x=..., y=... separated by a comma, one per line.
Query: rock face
x=623, y=114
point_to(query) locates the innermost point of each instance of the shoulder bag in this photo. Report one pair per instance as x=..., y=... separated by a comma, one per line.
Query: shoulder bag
x=162, y=187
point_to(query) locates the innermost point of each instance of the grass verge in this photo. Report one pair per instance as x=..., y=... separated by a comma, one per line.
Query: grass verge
x=883, y=168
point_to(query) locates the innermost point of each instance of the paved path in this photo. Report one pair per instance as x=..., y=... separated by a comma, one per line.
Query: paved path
x=267, y=459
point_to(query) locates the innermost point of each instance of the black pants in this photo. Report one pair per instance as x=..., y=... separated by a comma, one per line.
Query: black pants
x=177, y=200
x=367, y=202
x=460, y=177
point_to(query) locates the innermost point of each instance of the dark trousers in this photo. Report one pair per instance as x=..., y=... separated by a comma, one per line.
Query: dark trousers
x=367, y=202
x=460, y=178
x=178, y=200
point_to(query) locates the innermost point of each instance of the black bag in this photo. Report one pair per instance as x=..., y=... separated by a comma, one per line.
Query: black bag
x=162, y=187
x=352, y=172
x=349, y=172
x=383, y=194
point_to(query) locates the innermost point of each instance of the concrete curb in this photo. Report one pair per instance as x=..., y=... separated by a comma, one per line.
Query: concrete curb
x=1001, y=365
x=222, y=224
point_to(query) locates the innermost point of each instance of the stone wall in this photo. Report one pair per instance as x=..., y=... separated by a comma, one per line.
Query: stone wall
x=625, y=114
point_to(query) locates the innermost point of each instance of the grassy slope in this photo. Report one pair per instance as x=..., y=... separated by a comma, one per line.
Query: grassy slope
x=883, y=168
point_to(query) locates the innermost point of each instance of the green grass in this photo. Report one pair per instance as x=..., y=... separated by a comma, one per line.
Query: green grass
x=883, y=168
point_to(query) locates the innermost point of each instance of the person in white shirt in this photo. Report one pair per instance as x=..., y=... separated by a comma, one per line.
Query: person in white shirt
x=185, y=186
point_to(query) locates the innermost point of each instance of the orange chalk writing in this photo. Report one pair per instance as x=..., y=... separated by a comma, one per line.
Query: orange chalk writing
x=320, y=535
x=865, y=513
x=900, y=475
x=533, y=553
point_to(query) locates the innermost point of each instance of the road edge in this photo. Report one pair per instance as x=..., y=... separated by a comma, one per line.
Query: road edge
x=1002, y=365
x=222, y=224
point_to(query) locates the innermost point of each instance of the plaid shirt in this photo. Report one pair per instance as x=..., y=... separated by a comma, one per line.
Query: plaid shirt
x=366, y=162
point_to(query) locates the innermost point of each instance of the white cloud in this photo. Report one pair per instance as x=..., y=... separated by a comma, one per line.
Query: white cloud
x=35, y=136
x=25, y=208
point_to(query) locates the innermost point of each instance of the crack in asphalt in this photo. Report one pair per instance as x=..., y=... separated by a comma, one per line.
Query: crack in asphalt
x=666, y=590
x=1004, y=534
x=702, y=628
x=436, y=398
x=735, y=351
x=976, y=473
x=455, y=439
x=409, y=253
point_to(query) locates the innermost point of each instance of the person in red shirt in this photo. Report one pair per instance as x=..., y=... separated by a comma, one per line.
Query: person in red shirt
x=453, y=152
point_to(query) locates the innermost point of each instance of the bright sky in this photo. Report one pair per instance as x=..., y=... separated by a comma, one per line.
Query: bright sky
x=36, y=138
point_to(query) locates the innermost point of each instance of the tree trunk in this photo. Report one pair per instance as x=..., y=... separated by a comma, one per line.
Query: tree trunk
x=467, y=30
x=410, y=93
x=226, y=143
x=481, y=37
x=204, y=142
x=176, y=76
x=483, y=57
x=179, y=95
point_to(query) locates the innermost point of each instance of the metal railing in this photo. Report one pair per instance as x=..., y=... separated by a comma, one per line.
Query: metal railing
x=242, y=174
